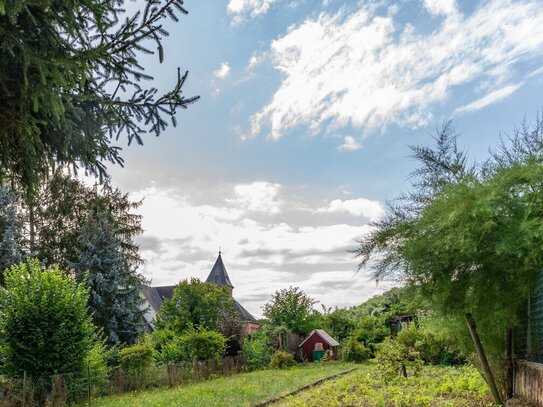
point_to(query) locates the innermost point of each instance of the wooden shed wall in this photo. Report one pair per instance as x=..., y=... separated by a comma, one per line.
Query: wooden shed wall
x=528, y=383
x=309, y=346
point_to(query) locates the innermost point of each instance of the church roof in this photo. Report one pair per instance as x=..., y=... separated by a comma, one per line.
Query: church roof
x=244, y=315
x=218, y=274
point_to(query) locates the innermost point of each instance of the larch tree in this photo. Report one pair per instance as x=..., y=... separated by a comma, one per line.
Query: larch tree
x=468, y=236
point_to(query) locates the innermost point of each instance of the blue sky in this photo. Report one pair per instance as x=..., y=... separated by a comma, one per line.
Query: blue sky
x=303, y=129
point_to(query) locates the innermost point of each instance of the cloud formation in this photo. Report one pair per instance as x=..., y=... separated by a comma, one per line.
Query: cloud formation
x=271, y=238
x=223, y=71
x=241, y=9
x=350, y=144
x=367, y=70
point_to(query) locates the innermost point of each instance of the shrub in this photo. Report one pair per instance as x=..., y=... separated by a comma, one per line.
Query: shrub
x=282, y=359
x=194, y=345
x=137, y=362
x=354, y=351
x=202, y=345
x=97, y=367
x=257, y=351
x=396, y=358
x=44, y=325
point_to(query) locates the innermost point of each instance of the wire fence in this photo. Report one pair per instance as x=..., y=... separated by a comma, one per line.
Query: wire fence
x=82, y=388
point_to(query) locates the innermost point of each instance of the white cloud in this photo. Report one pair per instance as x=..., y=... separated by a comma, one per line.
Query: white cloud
x=258, y=196
x=349, y=144
x=223, y=71
x=356, y=207
x=491, y=98
x=241, y=9
x=366, y=70
x=437, y=7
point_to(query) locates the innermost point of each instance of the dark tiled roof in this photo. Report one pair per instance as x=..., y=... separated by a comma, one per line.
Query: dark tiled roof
x=244, y=315
x=324, y=336
x=165, y=292
x=152, y=295
x=218, y=274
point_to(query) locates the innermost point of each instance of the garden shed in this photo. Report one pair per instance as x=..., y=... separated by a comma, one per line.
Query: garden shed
x=316, y=344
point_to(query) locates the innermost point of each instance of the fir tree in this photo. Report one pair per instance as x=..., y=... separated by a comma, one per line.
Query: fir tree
x=114, y=302
x=71, y=83
x=10, y=231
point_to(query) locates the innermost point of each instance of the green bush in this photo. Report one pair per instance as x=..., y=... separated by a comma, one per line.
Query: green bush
x=44, y=325
x=194, y=345
x=97, y=366
x=281, y=359
x=396, y=358
x=137, y=362
x=354, y=351
x=257, y=351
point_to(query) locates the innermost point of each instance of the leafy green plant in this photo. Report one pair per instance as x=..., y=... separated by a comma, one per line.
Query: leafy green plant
x=281, y=360
x=194, y=345
x=395, y=358
x=354, y=351
x=136, y=362
x=257, y=351
x=44, y=325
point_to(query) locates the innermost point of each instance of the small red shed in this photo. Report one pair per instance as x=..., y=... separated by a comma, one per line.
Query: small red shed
x=318, y=339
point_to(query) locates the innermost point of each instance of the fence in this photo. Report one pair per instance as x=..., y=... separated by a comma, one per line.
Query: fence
x=82, y=388
x=529, y=333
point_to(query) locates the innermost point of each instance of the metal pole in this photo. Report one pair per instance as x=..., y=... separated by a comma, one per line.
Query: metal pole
x=24, y=388
x=89, y=392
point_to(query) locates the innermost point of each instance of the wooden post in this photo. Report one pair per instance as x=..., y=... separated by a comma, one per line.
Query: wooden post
x=510, y=367
x=484, y=361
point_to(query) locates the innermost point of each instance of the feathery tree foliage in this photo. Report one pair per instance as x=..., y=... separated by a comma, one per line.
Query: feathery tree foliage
x=468, y=236
x=11, y=233
x=71, y=83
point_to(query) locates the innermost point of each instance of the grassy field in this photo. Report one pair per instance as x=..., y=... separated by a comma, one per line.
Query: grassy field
x=238, y=390
x=436, y=386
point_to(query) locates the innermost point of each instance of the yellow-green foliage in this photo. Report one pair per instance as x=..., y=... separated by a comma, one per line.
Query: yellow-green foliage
x=435, y=386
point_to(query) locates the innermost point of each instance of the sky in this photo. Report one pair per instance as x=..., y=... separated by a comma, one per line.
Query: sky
x=302, y=132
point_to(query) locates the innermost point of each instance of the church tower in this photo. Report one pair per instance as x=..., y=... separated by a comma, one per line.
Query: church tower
x=219, y=276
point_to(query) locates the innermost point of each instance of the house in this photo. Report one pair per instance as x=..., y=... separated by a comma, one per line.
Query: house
x=155, y=296
x=318, y=340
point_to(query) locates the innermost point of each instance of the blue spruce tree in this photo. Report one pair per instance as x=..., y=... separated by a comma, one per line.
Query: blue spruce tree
x=115, y=302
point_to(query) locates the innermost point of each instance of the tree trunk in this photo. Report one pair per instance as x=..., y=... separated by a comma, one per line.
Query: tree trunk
x=484, y=361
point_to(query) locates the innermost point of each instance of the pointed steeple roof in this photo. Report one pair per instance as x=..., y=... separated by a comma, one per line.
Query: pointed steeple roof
x=218, y=274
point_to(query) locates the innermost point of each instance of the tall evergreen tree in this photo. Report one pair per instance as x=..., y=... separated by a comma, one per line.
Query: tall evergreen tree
x=10, y=231
x=114, y=301
x=71, y=83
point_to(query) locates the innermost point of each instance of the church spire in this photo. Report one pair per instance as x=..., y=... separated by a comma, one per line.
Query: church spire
x=218, y=274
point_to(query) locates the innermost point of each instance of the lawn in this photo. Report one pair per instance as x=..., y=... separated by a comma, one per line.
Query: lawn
x=436, y=386
x=239, y=390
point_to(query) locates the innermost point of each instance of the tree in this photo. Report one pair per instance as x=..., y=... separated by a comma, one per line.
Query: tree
x=470, y=237
x=194, y=304
x=44, y=324
x=115, y=301
x=71, y=83
x=91, y=230
x=10, y=231
x=291, y=308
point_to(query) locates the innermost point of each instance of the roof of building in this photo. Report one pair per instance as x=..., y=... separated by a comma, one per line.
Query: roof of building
x=244, y=315
x=324, y=335
x=153, y=297
x=165, y=292
x=218, y=274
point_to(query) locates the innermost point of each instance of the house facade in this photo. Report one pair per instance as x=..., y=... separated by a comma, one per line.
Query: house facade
x=155, y=296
